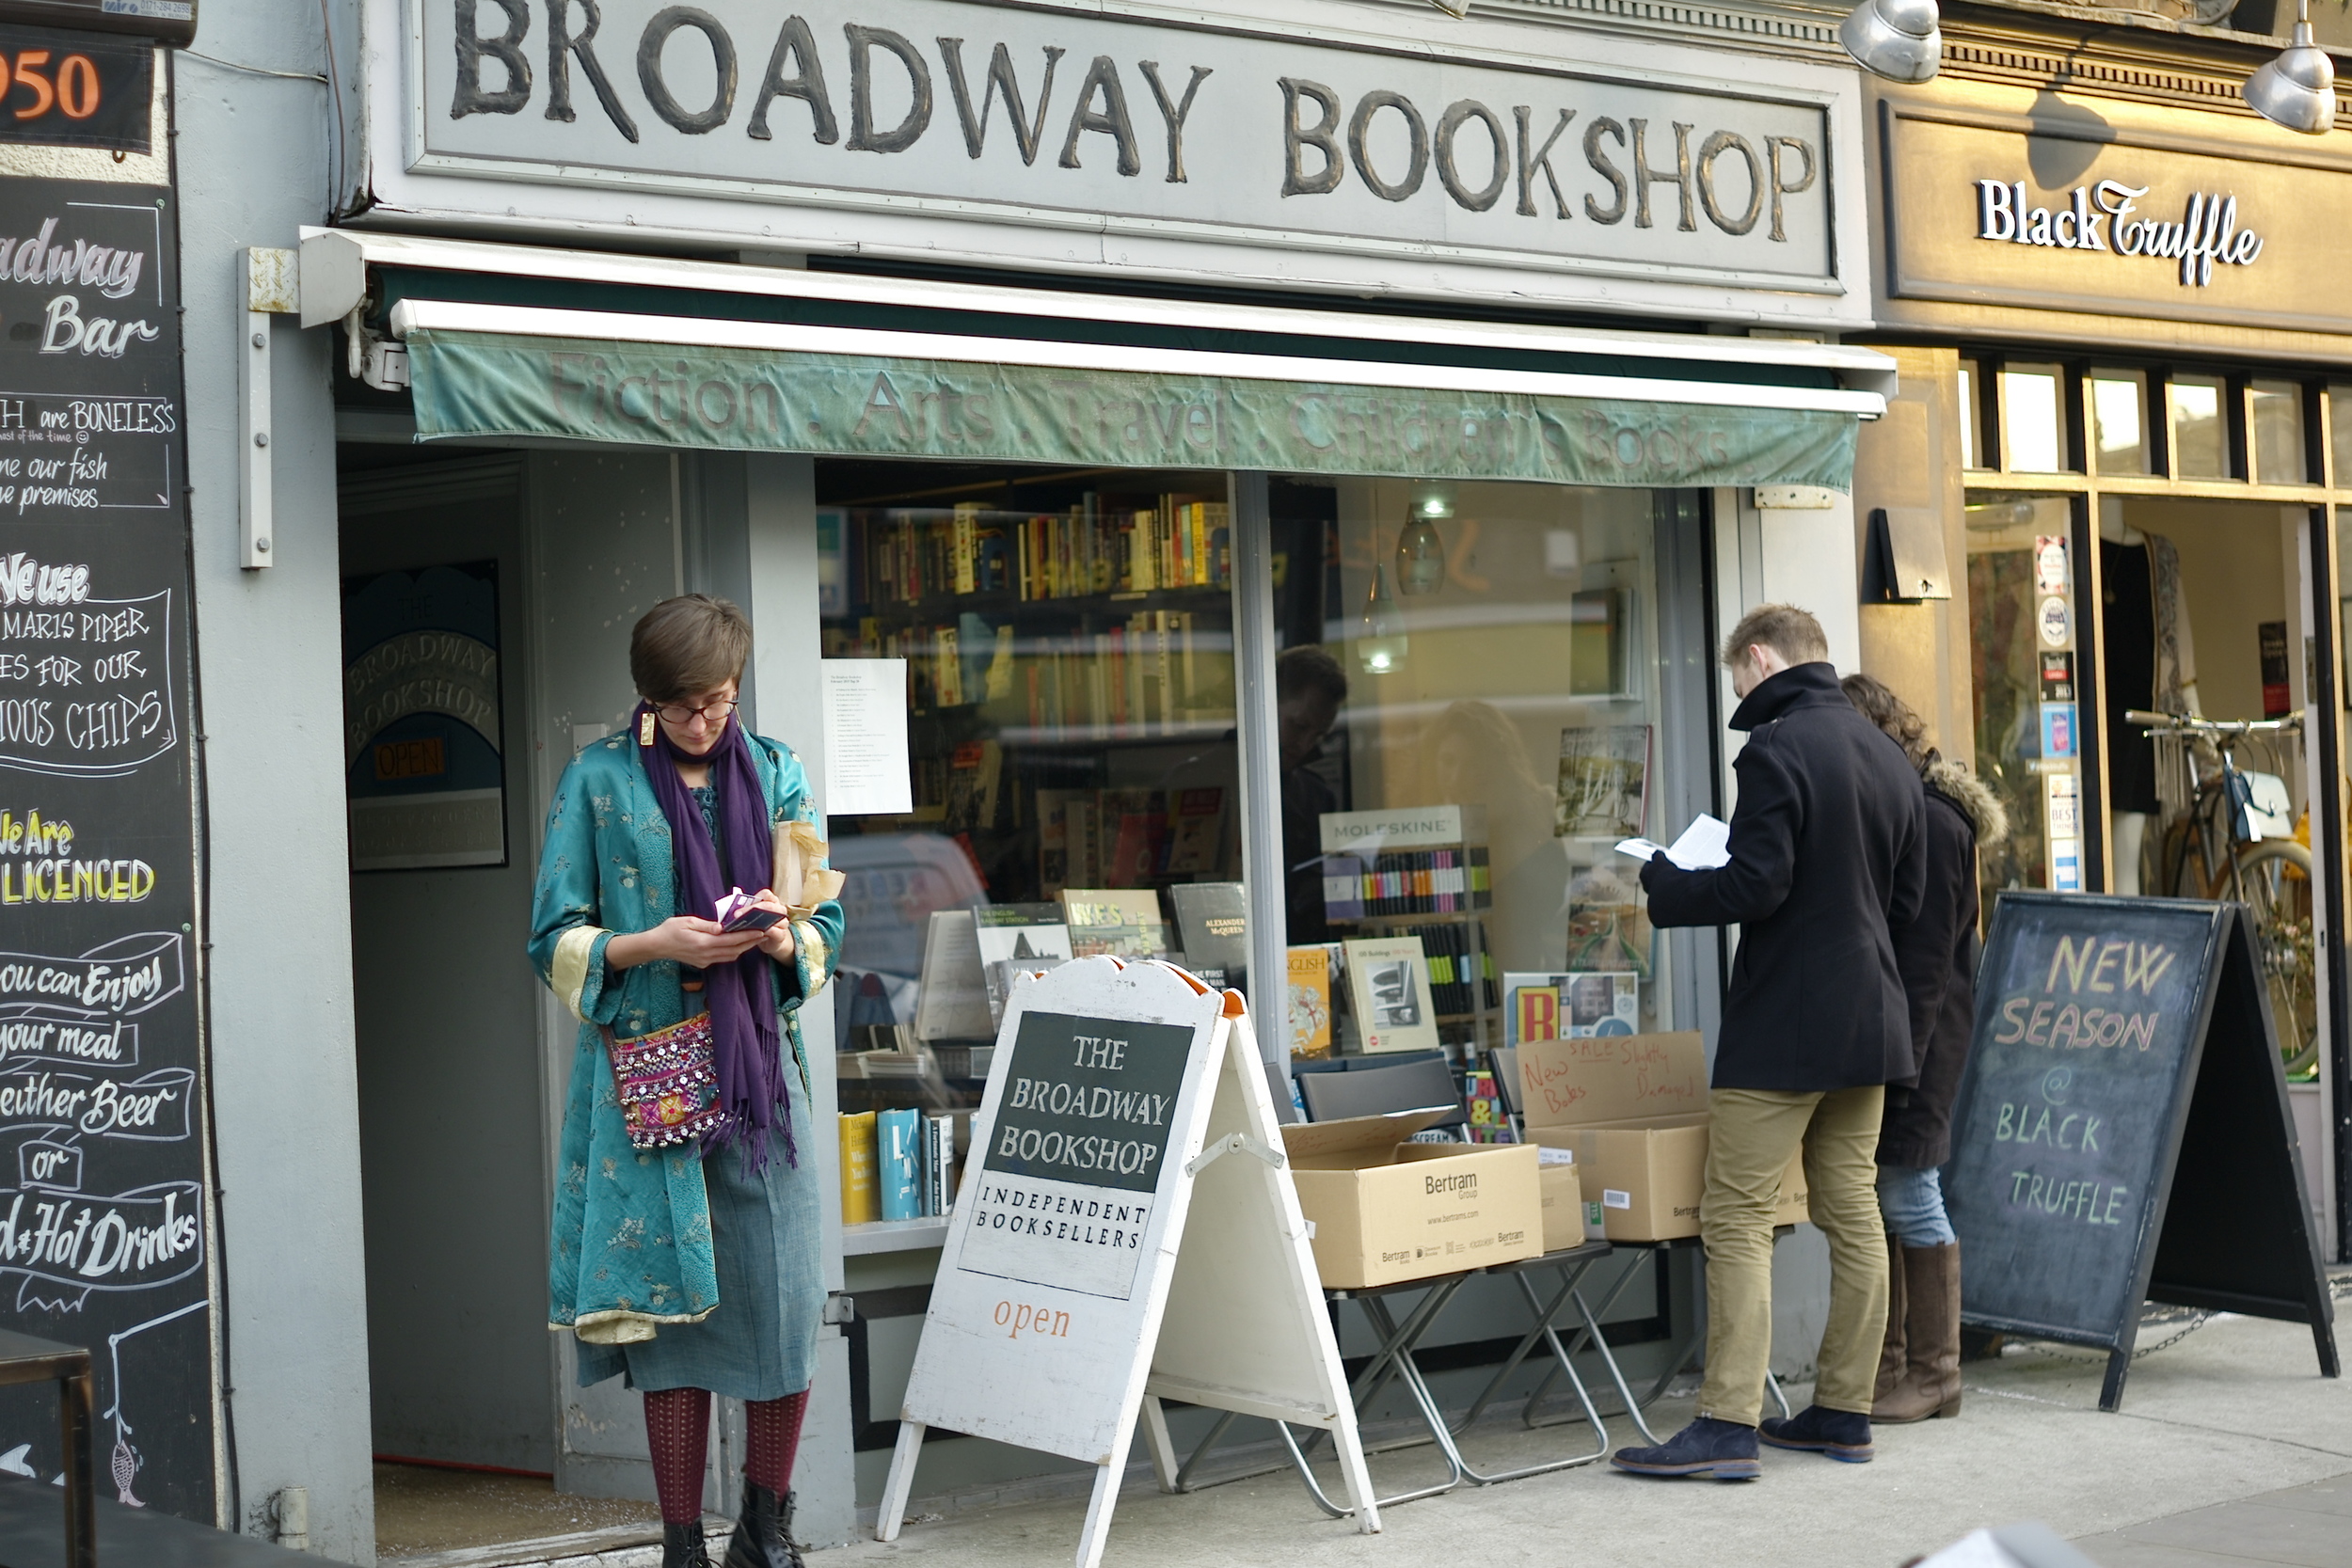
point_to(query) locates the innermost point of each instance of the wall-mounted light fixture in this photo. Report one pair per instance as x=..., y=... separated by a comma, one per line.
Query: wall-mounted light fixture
x=2298, y=88
x=1899, y=39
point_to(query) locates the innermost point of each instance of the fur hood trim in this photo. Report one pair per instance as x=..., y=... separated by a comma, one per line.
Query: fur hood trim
x=1966, y=791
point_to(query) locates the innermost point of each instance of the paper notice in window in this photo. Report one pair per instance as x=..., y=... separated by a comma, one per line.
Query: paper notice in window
x=865, y=737
x=1705, y=843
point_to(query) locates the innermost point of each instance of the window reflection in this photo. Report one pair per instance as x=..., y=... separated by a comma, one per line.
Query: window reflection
x=2278, y=427
x=2033, y=426
x=2118, y=422
x=2200, y=437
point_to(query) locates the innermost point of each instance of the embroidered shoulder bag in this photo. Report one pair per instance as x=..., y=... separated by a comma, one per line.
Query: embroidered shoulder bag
x=667, y=1083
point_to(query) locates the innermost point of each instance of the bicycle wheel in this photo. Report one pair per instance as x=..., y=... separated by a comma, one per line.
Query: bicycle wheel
x=2275, y=882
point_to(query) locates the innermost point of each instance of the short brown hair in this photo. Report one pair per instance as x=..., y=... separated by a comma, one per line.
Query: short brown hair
x=1790, y=632
x=686, y=646
x=1876, y=701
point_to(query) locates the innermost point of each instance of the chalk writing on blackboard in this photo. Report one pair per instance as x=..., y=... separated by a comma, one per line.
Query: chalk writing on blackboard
x=86, y=684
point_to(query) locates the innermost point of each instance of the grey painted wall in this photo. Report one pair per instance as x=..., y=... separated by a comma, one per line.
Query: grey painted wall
x=254, y=159
x=454, y=1155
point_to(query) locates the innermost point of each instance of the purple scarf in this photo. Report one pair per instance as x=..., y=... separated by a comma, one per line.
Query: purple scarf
x=742, y=1006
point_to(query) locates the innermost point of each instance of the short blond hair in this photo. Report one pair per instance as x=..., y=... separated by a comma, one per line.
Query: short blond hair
x=1790, y=632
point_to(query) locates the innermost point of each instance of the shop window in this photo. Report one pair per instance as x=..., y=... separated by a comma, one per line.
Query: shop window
x=1500, y=733
x=2340, y=430
x=2028, y=710
x=2033, y=418
x=2119, y=421
x=1971, y=442
x=2275, y=414
x=2200, y=431
x=1070, y=681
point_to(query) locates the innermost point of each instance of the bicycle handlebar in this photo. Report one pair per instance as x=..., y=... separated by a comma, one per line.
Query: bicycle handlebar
x=2181, y=723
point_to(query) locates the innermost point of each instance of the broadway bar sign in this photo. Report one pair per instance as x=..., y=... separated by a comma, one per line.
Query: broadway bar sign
x=1100, y=123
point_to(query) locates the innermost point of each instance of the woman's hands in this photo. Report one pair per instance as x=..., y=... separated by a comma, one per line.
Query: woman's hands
x=701, y=943
x=684, y=939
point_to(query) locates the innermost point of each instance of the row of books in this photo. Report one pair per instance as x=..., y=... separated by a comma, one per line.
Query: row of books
x=1369, y=994
x=1128, y=838
x=1406, y=881
x=970, y=956
x=1460, y=981
x=897, y=1165
x=1154, y=673
x=911, y=556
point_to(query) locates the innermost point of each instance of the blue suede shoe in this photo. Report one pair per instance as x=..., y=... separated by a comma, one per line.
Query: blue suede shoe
x=1706, y=1449
x=1842, y=1434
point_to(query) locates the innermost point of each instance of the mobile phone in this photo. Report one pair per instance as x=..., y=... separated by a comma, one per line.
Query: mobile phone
x=753, y=918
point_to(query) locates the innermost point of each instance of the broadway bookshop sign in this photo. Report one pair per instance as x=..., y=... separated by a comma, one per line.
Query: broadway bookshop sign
x=1099, y=124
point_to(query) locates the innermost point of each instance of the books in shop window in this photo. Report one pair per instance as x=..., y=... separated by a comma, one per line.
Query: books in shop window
x=912, y=555
x=1460, y=981
x=1212, y=922
x=899, y=1162
x=1311, y=1000
x=1423, y=860
x=861, y=1202
x=897, y=1165
x=1124, y=838
x=1604, y=782
x=1388, y=994
x=1015, y=938
x=1569, y=1005
x=1123, y=922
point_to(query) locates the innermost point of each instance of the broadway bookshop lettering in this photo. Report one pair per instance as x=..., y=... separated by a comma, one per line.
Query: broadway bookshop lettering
x=1076, y=118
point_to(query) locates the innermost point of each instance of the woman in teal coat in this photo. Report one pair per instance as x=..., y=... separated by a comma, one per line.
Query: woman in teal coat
x=691, y=1268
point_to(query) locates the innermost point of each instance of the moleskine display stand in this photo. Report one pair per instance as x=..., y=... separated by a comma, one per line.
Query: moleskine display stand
x=1126, y=1113
x=2123, y=1132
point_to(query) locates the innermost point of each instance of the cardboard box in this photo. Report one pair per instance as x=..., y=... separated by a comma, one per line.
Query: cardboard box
x=1633, y=1110
x=1562, y=1197
x=1384, y=1210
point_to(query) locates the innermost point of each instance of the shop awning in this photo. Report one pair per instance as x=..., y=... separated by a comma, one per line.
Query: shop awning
x=516, y=342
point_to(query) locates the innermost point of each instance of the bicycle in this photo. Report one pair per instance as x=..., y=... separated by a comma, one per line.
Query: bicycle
x=2216, y=848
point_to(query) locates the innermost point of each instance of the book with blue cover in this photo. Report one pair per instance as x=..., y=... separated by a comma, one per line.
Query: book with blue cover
x=898, y=1139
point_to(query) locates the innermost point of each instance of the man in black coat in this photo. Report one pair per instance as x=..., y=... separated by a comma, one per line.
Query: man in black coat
x=1828, y=852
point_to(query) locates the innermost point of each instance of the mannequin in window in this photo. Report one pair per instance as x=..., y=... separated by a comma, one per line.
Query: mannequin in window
x=2149, y=663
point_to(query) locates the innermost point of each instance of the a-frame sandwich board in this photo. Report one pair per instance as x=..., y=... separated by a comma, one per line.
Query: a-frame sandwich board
x=1126, y=1115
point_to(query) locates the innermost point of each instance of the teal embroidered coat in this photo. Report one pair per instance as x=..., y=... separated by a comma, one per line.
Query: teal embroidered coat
x=630, y=1248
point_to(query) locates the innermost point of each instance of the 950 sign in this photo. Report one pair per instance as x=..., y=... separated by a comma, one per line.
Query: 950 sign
x=75, y=89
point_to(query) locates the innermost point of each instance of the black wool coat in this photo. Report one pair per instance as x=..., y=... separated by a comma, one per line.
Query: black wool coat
x=1937, y=956
x=1828, y=858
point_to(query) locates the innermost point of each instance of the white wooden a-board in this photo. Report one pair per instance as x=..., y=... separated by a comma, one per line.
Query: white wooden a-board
x=1126, y=1115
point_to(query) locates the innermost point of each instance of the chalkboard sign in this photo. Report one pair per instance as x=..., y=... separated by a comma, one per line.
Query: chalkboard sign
x=105, y=1212
x=2122, y=1133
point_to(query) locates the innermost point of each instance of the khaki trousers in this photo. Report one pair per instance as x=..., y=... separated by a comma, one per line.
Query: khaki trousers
x=1754, y=1134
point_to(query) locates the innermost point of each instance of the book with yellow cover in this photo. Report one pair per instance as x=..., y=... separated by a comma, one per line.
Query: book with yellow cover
x=861, y=1197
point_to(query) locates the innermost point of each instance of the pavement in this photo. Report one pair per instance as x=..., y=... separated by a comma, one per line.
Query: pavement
x=2229, y=1450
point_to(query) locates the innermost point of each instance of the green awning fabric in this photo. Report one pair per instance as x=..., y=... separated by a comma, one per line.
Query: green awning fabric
x=490, y=383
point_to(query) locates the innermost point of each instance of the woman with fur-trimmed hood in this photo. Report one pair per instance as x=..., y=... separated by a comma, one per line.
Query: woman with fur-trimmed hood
x=1919, y=1368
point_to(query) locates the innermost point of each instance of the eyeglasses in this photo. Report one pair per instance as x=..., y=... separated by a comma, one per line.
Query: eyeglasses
x=715, y=713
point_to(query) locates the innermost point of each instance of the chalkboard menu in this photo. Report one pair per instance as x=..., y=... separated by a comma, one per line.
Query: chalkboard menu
x=2122, y=1133
x=105, y=1217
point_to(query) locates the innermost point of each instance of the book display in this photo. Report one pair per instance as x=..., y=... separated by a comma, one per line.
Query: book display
x=1069, y=710
x=1422, y=875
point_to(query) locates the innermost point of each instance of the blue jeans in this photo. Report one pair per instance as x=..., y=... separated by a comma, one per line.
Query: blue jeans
x=1912, y=1203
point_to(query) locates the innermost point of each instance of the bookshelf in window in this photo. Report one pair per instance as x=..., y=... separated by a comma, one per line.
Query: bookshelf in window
x=1423, y=871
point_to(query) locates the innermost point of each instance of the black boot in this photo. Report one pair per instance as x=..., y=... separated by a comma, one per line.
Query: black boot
x=763, y=1535
x=682, y=1547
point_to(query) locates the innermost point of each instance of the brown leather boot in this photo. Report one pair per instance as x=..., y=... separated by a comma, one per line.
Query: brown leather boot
x=1931, y=1381
x=1891, y=1358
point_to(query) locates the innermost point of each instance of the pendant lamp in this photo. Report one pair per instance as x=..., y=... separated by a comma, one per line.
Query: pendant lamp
x=1380, y=640
x=2298, y=89
x=1420, y=556
x=1899, y=39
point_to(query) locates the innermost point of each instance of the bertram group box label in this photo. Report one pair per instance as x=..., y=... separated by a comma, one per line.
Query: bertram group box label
x=1103, y=123
x=1076, y=1154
